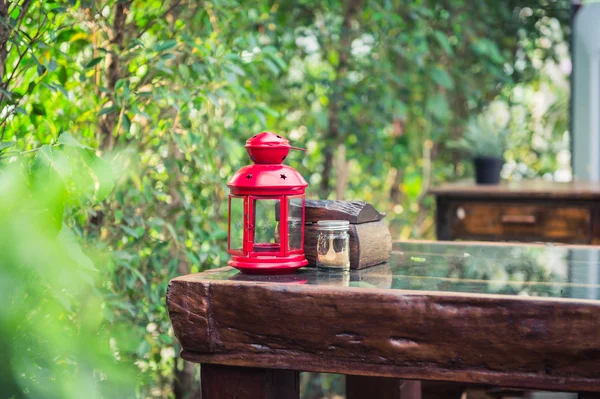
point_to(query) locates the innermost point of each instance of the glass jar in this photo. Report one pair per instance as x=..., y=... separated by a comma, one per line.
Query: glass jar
x=333, y=245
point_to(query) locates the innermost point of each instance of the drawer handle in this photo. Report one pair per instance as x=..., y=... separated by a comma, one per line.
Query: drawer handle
x=518, y=219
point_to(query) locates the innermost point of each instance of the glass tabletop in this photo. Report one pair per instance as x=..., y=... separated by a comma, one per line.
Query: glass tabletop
x=507, y=269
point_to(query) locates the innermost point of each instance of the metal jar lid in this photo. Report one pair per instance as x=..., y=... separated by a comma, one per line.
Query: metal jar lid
x=333, y=225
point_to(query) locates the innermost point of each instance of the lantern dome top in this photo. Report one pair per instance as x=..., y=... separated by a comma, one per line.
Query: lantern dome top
x=268, y=148
x=282, y=179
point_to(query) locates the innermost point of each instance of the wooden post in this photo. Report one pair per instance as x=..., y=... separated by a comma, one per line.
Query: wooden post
x=224, y=382
x=442, y=227
x=359, y=387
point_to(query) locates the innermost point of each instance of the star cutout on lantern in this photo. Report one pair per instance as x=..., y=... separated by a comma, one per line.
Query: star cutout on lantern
x=238, y=224
x=249, y=176
x=283, y=176
x=294, y=224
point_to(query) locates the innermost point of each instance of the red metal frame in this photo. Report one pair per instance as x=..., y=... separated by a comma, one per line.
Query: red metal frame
x=241, y=250
x=301, y=249
x=251, y=244
x=267, y=179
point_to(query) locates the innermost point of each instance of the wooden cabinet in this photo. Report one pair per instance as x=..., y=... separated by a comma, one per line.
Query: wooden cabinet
x=526, y=211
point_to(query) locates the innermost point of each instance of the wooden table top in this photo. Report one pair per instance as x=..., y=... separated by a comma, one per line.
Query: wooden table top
x=522, y=189
x=523, y=316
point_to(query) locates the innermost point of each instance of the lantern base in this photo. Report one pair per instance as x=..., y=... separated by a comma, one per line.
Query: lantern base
x=268, y=264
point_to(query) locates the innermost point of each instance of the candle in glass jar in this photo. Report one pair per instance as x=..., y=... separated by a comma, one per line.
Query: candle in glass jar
x=333, y=245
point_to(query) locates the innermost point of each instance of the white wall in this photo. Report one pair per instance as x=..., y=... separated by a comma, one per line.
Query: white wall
x=586, y=94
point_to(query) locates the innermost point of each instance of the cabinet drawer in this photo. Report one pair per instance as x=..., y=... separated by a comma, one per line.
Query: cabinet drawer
x=505, y=221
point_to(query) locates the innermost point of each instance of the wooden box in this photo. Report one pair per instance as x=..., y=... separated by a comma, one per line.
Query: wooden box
x=370, y=239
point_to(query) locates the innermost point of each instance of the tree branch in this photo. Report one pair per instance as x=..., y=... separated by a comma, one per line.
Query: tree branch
x=159, y=17
x=113, y=71
x=333, y=136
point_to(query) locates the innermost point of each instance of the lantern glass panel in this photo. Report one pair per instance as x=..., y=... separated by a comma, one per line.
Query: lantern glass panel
x=295, y=222
x=266, y=227
x=236, y=223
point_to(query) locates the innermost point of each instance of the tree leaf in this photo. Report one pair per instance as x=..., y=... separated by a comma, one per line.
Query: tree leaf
x=279, y=61
x=443, y=41
x=131, y=232
x=65, y=138
x=101, y=174
x=47, y=86
x=163, y=68
x=52, y=65
x=126, y=123
x=438, y=106
x=441, y=77
x=6, y=93
x=61, y=89
x=272, y=66
x=400, y=109
x=38, y=109
x=93, y=62
x=235, y=69
x=6, y=144
x=489, y=48
x=73, y=249
x=184, y=71
x=49, y=157
x=108, y=110
x=166, y=45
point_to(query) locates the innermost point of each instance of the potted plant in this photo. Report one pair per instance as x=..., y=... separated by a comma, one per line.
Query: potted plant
x=486, y=142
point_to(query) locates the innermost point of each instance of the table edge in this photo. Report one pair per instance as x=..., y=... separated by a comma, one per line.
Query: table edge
x=522, y=381
x=330, y=289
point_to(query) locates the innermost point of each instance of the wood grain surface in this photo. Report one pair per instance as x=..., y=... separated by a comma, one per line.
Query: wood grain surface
x=526, y=222
x=512, y=341
x=370, y=244
x=528, y=211
x=533, y=189
x=352, y=211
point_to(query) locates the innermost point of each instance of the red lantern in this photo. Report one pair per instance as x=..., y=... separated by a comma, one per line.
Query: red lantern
x=266, y=210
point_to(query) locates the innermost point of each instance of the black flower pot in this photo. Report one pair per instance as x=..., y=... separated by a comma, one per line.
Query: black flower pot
x=487, y=169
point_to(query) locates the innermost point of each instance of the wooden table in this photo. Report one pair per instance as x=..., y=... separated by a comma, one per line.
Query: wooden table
x=521, y=316
x=519, y=211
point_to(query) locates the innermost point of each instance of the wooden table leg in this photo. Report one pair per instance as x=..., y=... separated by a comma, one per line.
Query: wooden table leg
x=442, y=390
x=359, y=387
x=223, y=382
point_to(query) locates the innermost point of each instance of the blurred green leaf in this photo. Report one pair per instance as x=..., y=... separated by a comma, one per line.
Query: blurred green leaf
x=6, y=144
x=442, y=78
x=184, y=71
x=65, y=138
x=38, y=109
x=443, y=41
x=165, y=45
x=50, y=158
x=438, y=106
x=93, y=62
x=108, y=110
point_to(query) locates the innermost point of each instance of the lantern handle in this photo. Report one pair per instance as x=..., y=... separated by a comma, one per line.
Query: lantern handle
x=297, y=148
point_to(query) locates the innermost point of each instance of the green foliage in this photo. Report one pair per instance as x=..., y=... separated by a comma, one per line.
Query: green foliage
x=127, y=117
x=54, y=338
